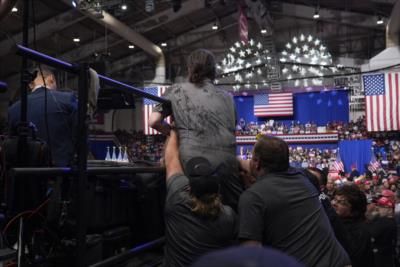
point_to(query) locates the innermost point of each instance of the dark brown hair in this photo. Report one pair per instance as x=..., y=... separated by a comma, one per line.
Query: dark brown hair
x=208, y=206
x=356, y=199
x=273, y=153
x=201, y=65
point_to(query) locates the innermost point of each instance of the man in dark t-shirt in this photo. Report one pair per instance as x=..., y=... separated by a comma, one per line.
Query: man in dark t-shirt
x=282, y=210
x=195, y=219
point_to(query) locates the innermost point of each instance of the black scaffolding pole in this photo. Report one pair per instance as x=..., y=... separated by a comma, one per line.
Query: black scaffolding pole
x=80, y=169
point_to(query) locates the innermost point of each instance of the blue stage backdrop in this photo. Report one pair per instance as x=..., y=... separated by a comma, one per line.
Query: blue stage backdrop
x=355, y=152
x=320, y=107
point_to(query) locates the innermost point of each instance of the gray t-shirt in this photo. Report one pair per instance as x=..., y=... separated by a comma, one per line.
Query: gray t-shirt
x=205, y=119
x=189, y=236
x=282, y=210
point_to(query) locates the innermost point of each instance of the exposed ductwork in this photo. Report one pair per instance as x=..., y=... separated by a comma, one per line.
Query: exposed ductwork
x=391, y=55
x=139, y=40
x=5, y=7
x=133, y=37
x=393, y=27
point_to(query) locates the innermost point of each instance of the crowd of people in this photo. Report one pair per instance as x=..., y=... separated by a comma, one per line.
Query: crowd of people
x=294, y=210
x=215, y=200
x=353, y=130
x=150, y=148
x=370, y=207
x=140, y=146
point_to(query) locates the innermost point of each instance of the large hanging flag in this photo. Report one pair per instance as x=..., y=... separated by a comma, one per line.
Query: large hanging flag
x=243, y=25
x=382, y=97
x=374, y=164
x=338, y=164
x=273, y=105
x=148, y=106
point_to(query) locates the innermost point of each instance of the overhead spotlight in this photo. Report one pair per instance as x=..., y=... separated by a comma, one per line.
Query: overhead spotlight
x=316, y=15
x=215, y=26
x=76, y=39
x=263, y=31
x=379, y=21
x=163, y=44
x=124, y=7
x=74, y=4
x=14, y=9
x=131, y=46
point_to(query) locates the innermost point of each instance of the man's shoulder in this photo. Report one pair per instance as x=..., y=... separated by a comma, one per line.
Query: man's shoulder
x=228, y=212
x=14, y=106
x=63, y=94
x=176, y=182
x=258, y=192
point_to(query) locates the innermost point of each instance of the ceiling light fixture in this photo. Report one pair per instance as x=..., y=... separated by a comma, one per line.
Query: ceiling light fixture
x=14, y=9
x=164, y=44
x=131, y=46
x=263, y=31
x=124, y=7
x=316, y=14
x=76, y=39
x=215, y=26
x=379, y=21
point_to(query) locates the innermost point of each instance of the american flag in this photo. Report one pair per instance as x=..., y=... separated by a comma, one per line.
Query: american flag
x=148, y=105
x=382, y=97
x=273, y=105
x=374, y=165
x=338, y=164
x=243, y=26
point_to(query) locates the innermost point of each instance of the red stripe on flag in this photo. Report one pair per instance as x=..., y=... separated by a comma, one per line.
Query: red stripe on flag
x=243, y=26
x=385, y=119
x=370, y=100
x=390, y=121
x=397, y=100
x=378, y=119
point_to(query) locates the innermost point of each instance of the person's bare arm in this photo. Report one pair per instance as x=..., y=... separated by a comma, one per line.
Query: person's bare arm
x=172, y=162
x=156, y=121
x=245, y=174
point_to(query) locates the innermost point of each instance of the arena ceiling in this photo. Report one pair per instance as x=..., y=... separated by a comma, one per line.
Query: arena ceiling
x=347, y=27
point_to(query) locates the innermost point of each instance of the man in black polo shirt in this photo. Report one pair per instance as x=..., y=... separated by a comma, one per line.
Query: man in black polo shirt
x=282, y=210
x=196, y=221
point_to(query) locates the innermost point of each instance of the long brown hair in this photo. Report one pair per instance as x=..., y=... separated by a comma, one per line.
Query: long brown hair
x=201, y=65
x=208, y=206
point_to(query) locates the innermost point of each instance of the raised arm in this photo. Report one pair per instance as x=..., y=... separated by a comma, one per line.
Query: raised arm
x=172, y=162
x=156, y=121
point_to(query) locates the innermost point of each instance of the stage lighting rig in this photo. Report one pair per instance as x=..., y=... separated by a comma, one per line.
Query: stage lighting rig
x=96, y=7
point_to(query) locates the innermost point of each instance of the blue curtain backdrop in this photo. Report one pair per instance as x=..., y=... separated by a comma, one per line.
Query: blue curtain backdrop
x=355, y=152
x=320, y=107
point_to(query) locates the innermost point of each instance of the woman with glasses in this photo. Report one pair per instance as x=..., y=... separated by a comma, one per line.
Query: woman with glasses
x=350, y=205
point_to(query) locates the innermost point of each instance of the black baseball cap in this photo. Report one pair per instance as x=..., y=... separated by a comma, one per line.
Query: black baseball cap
x=203, y=178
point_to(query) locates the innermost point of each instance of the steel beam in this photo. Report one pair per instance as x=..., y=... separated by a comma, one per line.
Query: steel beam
x=44, y=29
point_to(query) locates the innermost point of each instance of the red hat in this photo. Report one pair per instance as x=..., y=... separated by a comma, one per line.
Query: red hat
x=385, y=202
x=393, y=180
x=387, y=193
